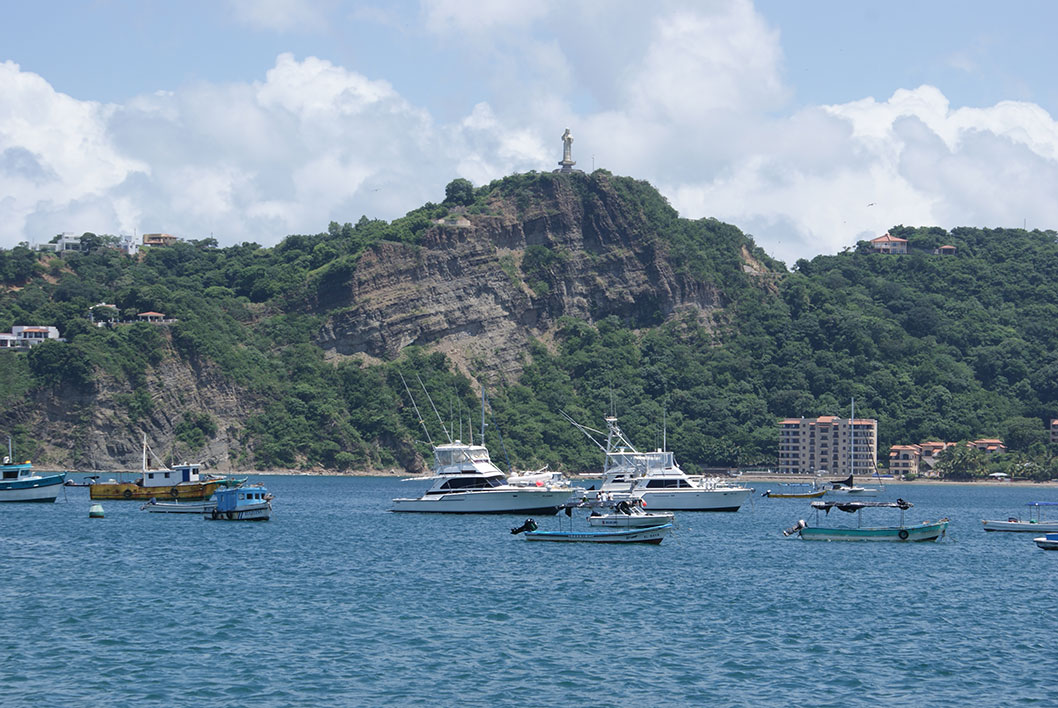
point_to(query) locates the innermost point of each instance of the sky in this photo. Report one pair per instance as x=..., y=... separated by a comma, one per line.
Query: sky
x=809, y=125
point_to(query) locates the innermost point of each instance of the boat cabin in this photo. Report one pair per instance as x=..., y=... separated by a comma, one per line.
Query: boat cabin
x=459, y=458
x=187, y=472
x=12, y=472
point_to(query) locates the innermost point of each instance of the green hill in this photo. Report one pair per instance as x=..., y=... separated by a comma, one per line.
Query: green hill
x=558, y=293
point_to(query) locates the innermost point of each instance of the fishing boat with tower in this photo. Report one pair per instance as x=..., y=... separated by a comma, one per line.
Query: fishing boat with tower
x=465, y=480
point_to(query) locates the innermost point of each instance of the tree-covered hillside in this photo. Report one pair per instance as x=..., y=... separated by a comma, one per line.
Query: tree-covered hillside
x=936, y=347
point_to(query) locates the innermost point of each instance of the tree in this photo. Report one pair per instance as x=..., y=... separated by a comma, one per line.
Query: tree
x=459, y=191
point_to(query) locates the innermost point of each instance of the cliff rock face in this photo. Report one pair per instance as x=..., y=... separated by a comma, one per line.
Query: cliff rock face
x=99, y=430
x=479, y=293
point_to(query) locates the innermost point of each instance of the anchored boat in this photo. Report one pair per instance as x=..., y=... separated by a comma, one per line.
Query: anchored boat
x=1034, y=523
x=651, y=534
x=626, y=514
x=1048, y=542
x=249, y=503
x=655, y=477
x=806, y=490
x=927, y=531
x=18, y=482
x=182, y=482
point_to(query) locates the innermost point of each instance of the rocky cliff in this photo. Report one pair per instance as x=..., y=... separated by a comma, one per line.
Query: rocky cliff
x=479, y=291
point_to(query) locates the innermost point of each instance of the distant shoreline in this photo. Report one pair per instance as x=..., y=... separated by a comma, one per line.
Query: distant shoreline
x=745, y=478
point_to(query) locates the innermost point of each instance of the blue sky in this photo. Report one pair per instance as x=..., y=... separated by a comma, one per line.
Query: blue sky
x=808, y=124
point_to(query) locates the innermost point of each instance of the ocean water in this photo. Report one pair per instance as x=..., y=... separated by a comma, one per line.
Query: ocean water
x=338, y=602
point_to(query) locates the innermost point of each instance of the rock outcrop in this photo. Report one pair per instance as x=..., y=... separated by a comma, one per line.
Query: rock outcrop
x=470, y=291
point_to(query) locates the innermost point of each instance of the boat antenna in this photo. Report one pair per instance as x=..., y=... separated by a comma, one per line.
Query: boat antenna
x=415, y=408
x=664, y=430
x=447, y=434
x=492, y=415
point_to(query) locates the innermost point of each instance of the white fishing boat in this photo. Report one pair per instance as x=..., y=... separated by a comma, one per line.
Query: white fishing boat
x=465, y=481
x=19, y=483
x=655, y=477
x=1035, y=523
x=926, y=531
x=626, y=513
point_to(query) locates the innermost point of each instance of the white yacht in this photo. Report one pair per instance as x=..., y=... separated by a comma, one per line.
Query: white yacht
x=466, y=482
x=655, y=478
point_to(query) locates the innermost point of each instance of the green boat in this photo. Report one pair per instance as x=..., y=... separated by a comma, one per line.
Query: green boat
x=926, y=531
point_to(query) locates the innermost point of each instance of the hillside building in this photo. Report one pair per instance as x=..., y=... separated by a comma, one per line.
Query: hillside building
x=26, y=336
x=159, y=239
x=889, y=244
x=1054, y=430
x=828, y=444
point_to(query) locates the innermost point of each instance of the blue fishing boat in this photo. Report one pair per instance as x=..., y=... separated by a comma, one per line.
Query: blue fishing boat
x=1048, y=542
x=18, y=482
x=927, y=531
x=249, y=503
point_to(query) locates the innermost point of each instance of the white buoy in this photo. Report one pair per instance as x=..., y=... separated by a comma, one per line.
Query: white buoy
x=95, y=511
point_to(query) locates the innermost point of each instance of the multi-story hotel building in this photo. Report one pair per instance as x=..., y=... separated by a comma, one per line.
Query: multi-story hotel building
x=838, y=446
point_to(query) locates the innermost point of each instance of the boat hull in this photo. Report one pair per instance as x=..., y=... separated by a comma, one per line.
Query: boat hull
x=129, y=491
x=897, y=534
x=695, y=499
x=1048, y=542
x=43, y=488
x=179, y=507
x=652, y=535
x=624, y=521
x=1022, y=526
x=523, y=501
x=252, y=512
x=795, y=495
x=855, y=492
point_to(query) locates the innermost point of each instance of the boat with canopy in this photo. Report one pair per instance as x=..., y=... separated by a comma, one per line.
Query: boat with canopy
x=926, y=531
x=1034, y=523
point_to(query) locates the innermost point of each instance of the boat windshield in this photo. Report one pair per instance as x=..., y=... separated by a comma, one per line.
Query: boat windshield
x=464, y=483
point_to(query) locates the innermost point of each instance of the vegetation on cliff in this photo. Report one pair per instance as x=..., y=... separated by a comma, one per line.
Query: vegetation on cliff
x=935, y=347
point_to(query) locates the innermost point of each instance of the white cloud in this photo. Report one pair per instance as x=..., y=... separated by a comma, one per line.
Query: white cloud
x=688, y=96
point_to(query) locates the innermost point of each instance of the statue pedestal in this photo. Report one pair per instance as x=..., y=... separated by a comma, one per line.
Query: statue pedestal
x=566, y=166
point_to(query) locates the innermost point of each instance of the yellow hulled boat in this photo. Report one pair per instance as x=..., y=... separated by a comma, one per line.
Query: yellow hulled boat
x=181, y=482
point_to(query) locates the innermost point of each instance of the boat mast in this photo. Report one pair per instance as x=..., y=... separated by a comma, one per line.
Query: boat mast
x=414, y=407
x=482, y=416
x=447, y=434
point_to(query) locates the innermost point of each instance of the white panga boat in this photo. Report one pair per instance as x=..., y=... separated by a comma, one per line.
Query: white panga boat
x=846, y=487
x=626, y=513
x=650, y=534
x=19, y=483
x=161, y=507
x=927, y=531
x=655, y=477
x=1048, y=542
x=466, y=482
x=1034, y=523
x=251, y=502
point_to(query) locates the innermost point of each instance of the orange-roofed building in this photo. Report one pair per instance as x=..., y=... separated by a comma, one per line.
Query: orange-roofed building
x=889, y=244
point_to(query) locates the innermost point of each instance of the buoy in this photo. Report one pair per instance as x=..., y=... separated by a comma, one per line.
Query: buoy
x=95, y=511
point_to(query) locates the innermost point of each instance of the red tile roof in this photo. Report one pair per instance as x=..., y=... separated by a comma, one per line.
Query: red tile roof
x=886, y=238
